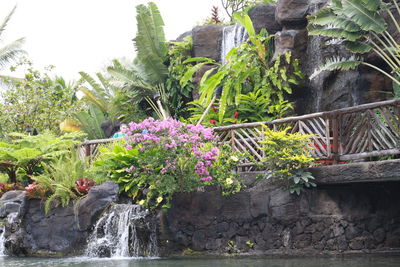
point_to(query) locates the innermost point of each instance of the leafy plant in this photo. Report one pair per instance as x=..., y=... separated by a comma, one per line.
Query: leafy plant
x=25, y=154
x=147, y=75
x=38, y=99
x=286, y=155
x=361, y=26
x=164, y=157
x=60, y=178
x=248, y=70
x=83, y=185
x=250, y=244
x=90, y=121
x=178, y=96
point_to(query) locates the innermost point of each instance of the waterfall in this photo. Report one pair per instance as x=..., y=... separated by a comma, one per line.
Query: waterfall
x=2, y=240
x=232, y=36
x=124, y=231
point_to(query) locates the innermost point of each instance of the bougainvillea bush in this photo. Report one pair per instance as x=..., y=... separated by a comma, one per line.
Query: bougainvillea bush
x=159, y=158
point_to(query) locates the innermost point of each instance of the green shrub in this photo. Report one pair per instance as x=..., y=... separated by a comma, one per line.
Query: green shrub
x=58, y=181
x=286, y=155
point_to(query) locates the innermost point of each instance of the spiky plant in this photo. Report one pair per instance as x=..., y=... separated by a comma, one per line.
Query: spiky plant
x=215, y=15
x=361, y=26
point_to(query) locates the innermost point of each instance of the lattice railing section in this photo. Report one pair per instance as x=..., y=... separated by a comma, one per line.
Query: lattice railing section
x=347, y=134
x=341, y=135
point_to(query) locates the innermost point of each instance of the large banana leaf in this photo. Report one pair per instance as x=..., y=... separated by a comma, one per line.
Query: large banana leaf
x=150, y=43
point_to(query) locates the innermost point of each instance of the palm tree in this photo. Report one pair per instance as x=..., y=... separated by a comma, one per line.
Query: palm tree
x=148, y=73
x=361, y=26
x=10, y=51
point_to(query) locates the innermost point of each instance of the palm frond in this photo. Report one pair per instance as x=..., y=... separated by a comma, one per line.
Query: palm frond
x=9, y=52
x=337, y=63
x=6, y=20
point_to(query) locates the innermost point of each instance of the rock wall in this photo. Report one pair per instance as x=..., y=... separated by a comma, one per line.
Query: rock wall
x=328, y=219
x=29, y=231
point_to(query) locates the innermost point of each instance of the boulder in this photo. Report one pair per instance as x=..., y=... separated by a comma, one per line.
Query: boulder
x=294, y=41
x=98, y=198
x=207, y=41
x=292, y=13
x=12, y=202
x=263, y=17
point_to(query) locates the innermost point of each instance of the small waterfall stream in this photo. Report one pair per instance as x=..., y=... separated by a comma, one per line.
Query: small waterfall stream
x=2, y=240
x=123, y=231
x=232, y=36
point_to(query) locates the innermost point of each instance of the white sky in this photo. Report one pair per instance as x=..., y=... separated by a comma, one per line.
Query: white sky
x=84, y=35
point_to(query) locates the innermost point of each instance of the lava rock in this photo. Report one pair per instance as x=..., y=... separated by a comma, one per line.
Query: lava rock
x=292, y=13
x=12, y=202
x=207, y=41
x=98, y=198
x=263, y=17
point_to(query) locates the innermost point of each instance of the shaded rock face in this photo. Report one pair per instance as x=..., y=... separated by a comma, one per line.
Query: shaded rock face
x=98, y=198
x=330, y=219
x=207, y=41
x=263, y=17
x=62, y=231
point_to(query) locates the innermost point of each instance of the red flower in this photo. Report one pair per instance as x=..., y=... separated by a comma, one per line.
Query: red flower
x=215, y=110
x=236, y=115
x=84, y=185
x=213, y=122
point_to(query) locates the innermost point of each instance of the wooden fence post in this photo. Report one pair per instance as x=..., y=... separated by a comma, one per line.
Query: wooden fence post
x=335, y=141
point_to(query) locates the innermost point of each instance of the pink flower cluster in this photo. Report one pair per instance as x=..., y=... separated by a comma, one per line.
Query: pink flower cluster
x=177, y=138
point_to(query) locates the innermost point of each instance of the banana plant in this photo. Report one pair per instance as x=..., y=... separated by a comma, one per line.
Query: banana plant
x=147, y=75
x=361, y=26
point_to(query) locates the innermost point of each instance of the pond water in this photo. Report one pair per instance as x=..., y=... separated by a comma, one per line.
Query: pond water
x=365, y=261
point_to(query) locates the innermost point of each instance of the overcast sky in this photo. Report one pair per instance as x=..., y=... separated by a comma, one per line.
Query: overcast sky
x=84, y=35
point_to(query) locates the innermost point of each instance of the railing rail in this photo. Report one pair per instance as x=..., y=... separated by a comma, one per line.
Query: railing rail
x=351, y=133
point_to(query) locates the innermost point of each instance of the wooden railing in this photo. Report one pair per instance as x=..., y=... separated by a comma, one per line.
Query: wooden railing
x=346, y=134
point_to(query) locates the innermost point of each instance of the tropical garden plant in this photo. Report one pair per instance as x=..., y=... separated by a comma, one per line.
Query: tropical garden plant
x=361, y=27
x=160, y=158
x=147, y=75
x=286, y=156
x=39, y=100
x=62, y=180
x=249, y=69
x=24, y=156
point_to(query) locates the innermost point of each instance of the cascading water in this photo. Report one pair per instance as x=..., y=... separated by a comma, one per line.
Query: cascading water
x=2, y=240
x=232, y=36
x=124, y=231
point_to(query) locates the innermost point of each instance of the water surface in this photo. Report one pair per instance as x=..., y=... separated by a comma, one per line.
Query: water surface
x=365, y=261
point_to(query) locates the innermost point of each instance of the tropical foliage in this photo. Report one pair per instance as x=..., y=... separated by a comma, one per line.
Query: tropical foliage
x=59, y=180
x=37, y=100
x=24, y=155
x=147, y=75
x=286, y=157
x=248, y=71
x=161, y=158
x=361, y=26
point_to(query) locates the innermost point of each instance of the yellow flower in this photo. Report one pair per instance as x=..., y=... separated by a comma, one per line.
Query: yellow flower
x=159, y=199
x=141, y=202
x=229, y=181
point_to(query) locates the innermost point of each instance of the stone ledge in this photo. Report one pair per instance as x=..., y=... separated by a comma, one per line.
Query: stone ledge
x=373, y=171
